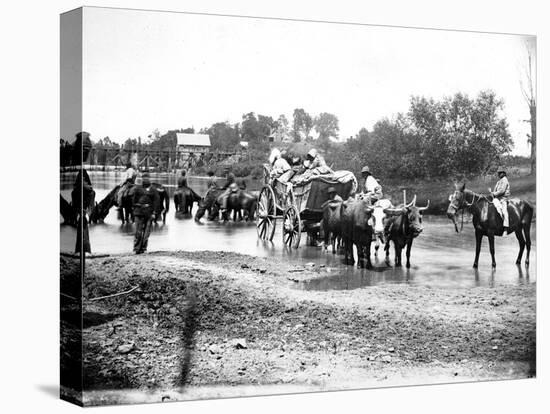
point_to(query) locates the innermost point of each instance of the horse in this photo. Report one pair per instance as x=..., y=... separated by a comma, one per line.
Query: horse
x=184, y=197
x=488, y=222
x=101, y=209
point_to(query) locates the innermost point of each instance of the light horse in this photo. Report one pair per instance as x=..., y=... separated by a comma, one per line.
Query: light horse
x=488, y=222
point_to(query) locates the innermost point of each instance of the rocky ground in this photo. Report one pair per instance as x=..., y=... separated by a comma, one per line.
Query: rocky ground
x=207, y=324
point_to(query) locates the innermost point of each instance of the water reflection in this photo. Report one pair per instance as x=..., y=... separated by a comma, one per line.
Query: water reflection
x=440, y=257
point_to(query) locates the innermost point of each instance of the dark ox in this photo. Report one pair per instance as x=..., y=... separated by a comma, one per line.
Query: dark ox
x=403, y=225
x=331, y=224
x=488, y=222
x=357, y=231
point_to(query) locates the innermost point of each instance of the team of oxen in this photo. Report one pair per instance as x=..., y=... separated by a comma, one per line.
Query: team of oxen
x=357, y=222
x=353, y=222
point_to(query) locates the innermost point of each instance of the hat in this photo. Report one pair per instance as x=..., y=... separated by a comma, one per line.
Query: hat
x=331, y=190
x=312, y=153
x=365, y=169
x=501, y=169
x=234, y=187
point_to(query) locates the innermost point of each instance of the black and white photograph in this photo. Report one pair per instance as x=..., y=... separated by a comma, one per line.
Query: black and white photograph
x=256, y=206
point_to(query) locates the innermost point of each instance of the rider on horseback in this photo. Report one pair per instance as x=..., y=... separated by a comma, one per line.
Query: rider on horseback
x=128, y=179
x=502, y=193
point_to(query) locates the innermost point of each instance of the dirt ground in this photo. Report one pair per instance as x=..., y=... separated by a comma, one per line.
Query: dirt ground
x=218, y=324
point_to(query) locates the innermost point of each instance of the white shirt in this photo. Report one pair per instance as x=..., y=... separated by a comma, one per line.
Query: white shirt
x=371, y=184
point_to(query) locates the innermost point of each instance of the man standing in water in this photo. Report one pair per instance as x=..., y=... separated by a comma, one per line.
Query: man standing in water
x=502, y=193
x=83, y=194
x=146, y=201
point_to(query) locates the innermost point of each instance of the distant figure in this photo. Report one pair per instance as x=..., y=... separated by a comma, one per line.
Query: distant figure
x=146, y=201
x=229, y=180
x=372, y=190
x=182, y=180
x=242, y=184
x=128, y=180
x=501, y=193
x=211, y=183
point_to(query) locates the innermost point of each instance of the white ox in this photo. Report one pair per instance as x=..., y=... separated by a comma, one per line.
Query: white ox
x=377, y=222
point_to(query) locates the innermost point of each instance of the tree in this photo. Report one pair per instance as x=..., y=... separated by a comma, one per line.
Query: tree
x=282, y=129
x=459, y=135
x=327, y=127
x=223, y=136
x=301, y=124
x=528, y=89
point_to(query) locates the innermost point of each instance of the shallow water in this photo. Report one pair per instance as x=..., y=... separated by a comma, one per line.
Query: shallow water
x=440, y=257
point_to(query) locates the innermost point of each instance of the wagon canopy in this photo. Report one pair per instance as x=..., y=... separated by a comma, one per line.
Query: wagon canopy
x=310, y=195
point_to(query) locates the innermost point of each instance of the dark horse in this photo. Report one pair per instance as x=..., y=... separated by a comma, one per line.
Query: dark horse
x=237, y=202
x=102, y=208
x=488, y=222
x=184, y=197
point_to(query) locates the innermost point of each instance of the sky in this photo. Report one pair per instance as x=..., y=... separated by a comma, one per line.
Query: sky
x=156, y=70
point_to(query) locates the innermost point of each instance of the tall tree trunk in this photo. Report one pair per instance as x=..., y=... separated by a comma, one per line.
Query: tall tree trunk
x=533, y=121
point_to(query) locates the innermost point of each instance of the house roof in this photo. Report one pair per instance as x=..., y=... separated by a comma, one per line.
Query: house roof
x=195, y=140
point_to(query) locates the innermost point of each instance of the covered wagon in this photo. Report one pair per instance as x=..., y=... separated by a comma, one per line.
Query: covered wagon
x=298, y=204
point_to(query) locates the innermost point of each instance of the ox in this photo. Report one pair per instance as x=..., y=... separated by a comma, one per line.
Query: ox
x=357, y=231
x=332, y=223
x=378, y=221
x=402, y=226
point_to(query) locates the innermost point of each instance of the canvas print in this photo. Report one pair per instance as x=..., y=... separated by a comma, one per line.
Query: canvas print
x=260, y=206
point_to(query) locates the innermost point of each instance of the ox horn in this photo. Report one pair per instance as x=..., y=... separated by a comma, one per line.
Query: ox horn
x=394, y=211
x=412, y=203
x=424, y=208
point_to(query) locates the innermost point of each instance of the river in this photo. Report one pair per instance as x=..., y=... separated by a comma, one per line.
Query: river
x=440, y=257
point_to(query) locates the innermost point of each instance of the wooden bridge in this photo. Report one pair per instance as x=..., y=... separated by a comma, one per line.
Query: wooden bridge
x=155, y=159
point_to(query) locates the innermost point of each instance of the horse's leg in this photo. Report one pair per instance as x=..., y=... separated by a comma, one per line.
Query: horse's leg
x=527, y=232
x=479, y=237
x=492, y=249
x=409, y=245
x=521, y=241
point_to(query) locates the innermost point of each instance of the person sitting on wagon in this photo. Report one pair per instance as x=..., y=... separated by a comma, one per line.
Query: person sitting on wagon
x=502, y=193
x=317, y=164
x=280, y=168
x=372, y=189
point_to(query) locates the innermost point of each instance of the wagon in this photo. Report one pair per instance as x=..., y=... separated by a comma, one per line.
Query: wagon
x=299, y=205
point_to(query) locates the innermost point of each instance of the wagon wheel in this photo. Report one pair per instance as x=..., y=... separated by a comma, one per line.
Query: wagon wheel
x=265, y=224
x=292, y=227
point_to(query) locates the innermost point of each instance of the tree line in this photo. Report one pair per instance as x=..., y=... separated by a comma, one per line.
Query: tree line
x=455, y=135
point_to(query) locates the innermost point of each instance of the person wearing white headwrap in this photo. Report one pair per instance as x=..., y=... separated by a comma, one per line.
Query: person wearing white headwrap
x=280, y=166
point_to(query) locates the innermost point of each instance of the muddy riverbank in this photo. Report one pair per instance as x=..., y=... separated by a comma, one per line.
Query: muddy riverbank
x=205, y=324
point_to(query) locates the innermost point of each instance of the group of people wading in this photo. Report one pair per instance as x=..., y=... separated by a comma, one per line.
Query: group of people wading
x=145, y=198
